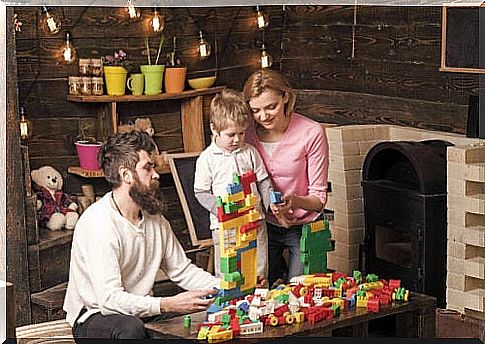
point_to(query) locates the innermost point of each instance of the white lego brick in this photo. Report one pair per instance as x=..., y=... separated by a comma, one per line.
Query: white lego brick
x=348, y=133
x=474, y=236
x=340, y=264
x=455, y=299
x=366, y=146
x=345, y=206
x=475, y=300
x=347, y=192
x=346, y=251
x=455, y=281
x=475, y=267
x=347, y=236
x=346, y=163
x=344, y=177
x=473, y=204
x=343, y=148
x=455, y=265
x=456, y=249
x=454, y=233
x=469, y=154
x=351, y=221
x=381, y=132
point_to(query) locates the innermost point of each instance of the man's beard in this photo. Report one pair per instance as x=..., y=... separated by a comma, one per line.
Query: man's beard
x=148, y=198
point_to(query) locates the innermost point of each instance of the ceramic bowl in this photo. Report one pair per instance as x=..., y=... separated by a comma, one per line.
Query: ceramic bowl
x=199, y=83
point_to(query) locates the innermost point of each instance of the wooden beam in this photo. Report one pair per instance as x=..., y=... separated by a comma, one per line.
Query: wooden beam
x=17, y=269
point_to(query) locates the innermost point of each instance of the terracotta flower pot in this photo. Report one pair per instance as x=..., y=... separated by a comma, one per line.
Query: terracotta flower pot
x=175, y=79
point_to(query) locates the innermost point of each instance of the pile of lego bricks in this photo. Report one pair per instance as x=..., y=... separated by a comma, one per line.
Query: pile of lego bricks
x=309, y=298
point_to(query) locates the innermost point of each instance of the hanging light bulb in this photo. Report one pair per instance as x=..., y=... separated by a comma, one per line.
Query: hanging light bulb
x=266, y=59
x=204, y=48
x=68, y=53
x=50, y=22
x=158, y=23
x=133, y=12
x=25, y=126
x=261, y=19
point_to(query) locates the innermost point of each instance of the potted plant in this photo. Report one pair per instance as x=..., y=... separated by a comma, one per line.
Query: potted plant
x=175, y=72
x=87, y=148
x=115, y=73
x=153, y=73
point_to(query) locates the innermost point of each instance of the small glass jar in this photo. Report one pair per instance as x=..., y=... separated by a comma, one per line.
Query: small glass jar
x=74, y=85
x=85, y=67
x=97, y=86
x=86, y=85
x=96, y=67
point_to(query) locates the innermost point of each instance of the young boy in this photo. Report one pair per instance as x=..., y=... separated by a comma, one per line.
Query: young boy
x=228, y=154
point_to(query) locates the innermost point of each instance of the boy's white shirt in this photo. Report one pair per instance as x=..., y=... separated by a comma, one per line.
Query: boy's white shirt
x=215, y=168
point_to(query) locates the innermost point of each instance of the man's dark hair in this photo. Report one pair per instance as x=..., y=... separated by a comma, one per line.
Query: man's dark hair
x=122, y=150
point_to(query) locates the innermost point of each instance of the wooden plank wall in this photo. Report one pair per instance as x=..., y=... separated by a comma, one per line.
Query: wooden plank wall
x=393, y=76
x=375, y=65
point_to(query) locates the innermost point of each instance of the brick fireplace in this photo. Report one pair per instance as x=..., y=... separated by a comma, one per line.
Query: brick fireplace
x=349, y=145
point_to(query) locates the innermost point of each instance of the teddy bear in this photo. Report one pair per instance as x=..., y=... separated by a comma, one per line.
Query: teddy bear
x=141, y=124
x=55, y=208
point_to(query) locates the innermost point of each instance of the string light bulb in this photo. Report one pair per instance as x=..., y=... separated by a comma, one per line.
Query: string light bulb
x=51, y=23
x=25, y=126
x=133, y=12
x=68, y=53
x=262, y=19
x=158, y=23
x=203, y=48
x=266, y=59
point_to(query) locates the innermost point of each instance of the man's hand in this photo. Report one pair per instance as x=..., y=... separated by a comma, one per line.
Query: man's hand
x=187, y=302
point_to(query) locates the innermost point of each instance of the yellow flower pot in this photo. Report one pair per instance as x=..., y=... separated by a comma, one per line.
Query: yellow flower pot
x=115, y=77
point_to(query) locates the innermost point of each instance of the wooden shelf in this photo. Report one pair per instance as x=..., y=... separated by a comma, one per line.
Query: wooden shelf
x=143, y=98
x=99, y=173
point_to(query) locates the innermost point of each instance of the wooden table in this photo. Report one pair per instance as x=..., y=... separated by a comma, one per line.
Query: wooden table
x=415, y=318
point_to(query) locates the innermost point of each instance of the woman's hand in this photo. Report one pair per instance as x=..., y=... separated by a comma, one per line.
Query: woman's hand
x=284, y=211
x=187, y=302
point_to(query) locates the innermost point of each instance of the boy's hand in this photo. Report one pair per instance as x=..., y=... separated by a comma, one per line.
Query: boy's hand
x=262, y=282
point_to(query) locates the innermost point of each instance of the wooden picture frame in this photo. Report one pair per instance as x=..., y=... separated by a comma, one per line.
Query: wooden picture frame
x=460, y=39
x=182, y=166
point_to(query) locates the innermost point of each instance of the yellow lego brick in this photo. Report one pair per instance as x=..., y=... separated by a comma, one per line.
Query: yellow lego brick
x=214, y=329
x=299, y=317
x=219, y=336
x=317, y=226
x=361, y=302
x=253, y=215
x=246, y=237
x=250, y=200
x=249, y=268
x=203, y=332
x=228, y=285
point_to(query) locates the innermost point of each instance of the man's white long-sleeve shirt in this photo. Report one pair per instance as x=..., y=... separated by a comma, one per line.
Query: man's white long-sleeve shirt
x=114, y=263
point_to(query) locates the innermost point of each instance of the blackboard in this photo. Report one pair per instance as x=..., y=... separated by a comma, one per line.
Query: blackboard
x=197, y=217
x=460, y=39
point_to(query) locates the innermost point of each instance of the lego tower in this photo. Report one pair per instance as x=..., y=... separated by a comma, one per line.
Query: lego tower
x=238, y=226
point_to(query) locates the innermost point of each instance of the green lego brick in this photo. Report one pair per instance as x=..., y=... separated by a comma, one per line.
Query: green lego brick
x=236, y=179
x=219, y=201
x=228, y=265
x=233, y=277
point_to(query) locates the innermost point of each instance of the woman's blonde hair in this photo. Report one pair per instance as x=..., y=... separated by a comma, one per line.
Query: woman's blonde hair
x=229, y=107
x=268, y=79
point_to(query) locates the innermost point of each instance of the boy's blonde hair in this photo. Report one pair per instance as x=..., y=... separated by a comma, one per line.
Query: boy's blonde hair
x=227, y=108
x=264, y=79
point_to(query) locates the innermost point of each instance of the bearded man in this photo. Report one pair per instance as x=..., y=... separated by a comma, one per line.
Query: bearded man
x=119, y=244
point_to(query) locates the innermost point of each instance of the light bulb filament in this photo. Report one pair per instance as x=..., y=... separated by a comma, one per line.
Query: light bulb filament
x=51, y=23
x=261, y=21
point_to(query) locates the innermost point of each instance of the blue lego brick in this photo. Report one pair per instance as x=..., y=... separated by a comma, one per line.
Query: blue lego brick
x=275, y=197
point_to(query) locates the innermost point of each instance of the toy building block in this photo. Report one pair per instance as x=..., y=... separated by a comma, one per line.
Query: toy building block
x=219, y=336
x=358, y=276
x=314, y=245
x=251, y=328
x=371, y=278
x=187, y=321
x=203, y=332
x=373, y=305
x=275, y=197
x=394, y=283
